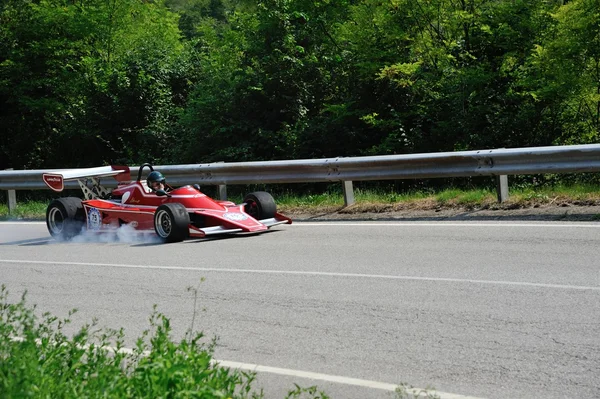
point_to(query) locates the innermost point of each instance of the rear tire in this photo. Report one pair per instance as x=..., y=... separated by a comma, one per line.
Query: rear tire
x=171, y=222
x=65, y=218
x=260, y=205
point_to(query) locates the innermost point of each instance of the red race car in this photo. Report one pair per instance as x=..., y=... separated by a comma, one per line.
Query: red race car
x=181, y=213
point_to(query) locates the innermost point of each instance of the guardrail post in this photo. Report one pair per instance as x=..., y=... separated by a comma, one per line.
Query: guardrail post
x=348, y=193
x=222, y=192
x=12, y=200
x=502, y=188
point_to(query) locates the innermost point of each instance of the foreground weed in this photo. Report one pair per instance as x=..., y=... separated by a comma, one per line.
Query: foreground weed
x=38, y=360
x=305, y=393
x=405, y=391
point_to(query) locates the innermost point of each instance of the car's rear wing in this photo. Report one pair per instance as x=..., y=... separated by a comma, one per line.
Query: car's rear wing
x=56, y=180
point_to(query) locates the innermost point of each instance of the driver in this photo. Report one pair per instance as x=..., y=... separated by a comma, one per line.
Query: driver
x=156, y=181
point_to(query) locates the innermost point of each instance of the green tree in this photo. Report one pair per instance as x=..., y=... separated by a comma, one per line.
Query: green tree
x=88, y=82
x=39, y=60
x=263, y=75
x=82, y=83
x=459, y=75
x=563, y=74
x=135, y=82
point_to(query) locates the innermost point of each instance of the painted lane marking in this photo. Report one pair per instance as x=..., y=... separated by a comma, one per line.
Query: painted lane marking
x=21, y=223
x=417, y=392
x=257, y=368
x=404, y=224
x=311, y=273
x=441, y=224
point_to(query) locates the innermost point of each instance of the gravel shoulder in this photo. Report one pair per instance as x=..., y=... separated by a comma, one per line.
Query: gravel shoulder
x=562, y=212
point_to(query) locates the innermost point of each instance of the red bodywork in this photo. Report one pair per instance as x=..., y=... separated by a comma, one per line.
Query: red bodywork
x=138, y=205
x=133, y=204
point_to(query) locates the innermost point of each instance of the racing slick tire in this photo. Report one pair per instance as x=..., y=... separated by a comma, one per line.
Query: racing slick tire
x=171, y=222
x=260, y=205
x=65, y=218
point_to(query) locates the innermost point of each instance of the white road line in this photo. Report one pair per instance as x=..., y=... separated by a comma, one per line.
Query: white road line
x=472, y=223
x=337, y=379
x=310, y=273
x=442, y=224
x=21, y=223
x=257, y=368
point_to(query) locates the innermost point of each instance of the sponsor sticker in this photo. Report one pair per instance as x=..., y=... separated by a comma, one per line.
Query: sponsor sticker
x=54, y=181
x=235, y=216
x=94, y=219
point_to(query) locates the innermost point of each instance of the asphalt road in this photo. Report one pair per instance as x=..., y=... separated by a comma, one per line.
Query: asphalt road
x=490, y=310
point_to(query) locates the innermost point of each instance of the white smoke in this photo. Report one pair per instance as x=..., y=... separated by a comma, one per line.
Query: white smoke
x=123, y=234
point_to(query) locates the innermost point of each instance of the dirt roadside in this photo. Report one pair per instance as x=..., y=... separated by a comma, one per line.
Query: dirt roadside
x=552, y=212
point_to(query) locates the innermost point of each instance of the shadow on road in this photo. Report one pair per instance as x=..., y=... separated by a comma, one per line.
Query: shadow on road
x=32, y=241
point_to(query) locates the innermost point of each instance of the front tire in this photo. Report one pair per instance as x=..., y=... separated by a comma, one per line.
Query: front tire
x=65, y=218
x=260, y=205
x=171, y=222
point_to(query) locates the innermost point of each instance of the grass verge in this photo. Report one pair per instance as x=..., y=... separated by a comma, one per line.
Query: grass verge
x=384, y=201
x=25, y=210
x=475, y=199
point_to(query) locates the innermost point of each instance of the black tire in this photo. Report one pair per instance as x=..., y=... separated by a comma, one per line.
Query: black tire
x=260, y=205
x=171, y=222
x=65, y=218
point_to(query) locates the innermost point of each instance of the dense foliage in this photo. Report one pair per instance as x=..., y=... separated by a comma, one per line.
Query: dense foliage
x=84, y=83
x=38, y=360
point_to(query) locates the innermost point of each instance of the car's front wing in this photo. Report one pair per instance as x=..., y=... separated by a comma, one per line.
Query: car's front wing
x=256, y=226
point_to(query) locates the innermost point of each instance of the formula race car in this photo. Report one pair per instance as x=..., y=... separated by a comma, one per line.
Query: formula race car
x=174, y=216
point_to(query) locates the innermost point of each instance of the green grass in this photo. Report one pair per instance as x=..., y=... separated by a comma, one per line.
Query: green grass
x=450, y=197
x=386, y=197
x=574, y=193
x=447, y=195
x=24, y=210
x=313, y=200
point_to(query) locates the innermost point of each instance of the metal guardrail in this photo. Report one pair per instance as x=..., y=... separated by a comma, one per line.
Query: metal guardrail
x=495, y=162
x=532, y=160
